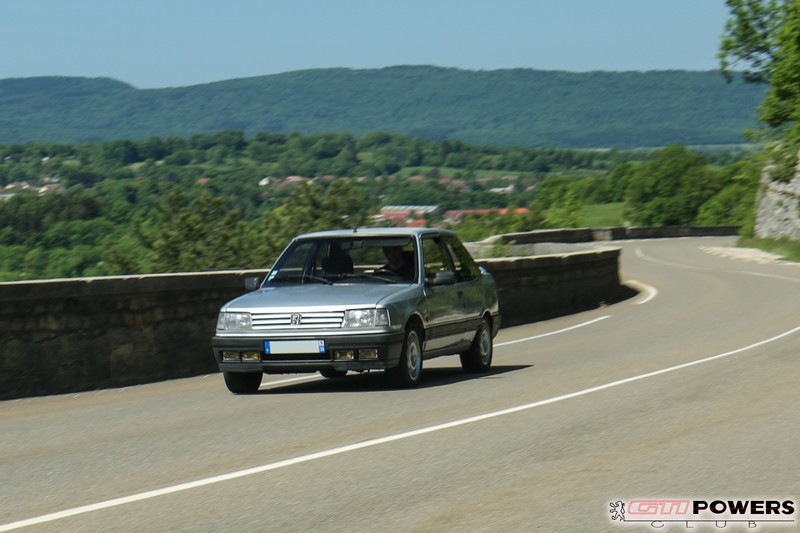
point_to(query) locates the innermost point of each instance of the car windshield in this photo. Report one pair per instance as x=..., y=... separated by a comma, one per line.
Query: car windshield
x=335, y=260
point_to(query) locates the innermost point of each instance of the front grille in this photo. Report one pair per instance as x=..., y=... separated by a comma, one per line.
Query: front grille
x=309, y=320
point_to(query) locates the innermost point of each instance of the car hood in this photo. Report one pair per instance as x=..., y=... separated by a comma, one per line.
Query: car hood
x=314, y=296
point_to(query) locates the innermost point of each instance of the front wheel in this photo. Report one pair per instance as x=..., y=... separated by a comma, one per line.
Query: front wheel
x=242, y=382
x=408, y=371
x=478, y=357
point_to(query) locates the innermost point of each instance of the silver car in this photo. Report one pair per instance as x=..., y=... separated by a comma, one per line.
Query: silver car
x=360, y=300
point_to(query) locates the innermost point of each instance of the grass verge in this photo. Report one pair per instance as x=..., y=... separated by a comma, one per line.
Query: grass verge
x=787, y=249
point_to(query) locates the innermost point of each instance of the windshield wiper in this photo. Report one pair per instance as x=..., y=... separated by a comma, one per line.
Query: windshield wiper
x=299, y=279
x=368, y=276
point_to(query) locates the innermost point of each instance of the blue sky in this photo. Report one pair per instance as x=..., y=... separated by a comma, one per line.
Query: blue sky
x=171, y=43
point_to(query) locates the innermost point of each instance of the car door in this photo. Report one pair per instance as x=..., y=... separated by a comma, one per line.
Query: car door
x=444, y=310
x=468, y=281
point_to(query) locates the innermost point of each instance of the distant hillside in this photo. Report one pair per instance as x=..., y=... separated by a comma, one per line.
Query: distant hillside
x=501, y=107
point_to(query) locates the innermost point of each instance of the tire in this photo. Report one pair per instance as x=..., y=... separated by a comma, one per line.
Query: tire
x=243, y=382
x=408, y=371
x=333, y=373
x=478, y=357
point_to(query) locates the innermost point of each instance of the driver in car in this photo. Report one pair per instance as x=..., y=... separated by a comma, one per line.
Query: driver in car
x=398, y=263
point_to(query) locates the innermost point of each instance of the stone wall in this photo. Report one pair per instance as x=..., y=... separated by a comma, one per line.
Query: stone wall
x=778, y=213
x=611, y=234
x=540, y=287
x=87, y=333
x=561, y=241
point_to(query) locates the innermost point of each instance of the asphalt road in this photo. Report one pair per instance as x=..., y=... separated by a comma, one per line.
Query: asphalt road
x=688, y=390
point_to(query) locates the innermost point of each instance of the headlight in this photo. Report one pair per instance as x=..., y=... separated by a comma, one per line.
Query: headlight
x=234, y=322
x=366, y=318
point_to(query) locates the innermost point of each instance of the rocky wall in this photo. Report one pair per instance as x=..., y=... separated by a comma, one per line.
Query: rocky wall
x=778, y=213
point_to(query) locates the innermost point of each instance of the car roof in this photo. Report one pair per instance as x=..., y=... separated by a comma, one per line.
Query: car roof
x=375, y=232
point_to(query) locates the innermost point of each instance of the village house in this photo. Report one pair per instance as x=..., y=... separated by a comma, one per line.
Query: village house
x=406, y=215
x=454, y=216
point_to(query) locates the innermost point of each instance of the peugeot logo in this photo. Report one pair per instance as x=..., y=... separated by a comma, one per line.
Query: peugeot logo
x=296, y=319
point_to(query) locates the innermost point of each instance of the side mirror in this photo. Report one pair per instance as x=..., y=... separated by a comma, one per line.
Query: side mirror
x=443, y=278
x=252, y=283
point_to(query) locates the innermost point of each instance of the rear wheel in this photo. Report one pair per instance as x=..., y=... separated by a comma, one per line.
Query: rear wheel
x=478, y=358
x=242, y=382
x=408, y=371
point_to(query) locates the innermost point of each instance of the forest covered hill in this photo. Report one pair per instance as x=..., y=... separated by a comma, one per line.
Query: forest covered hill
x=514, y=107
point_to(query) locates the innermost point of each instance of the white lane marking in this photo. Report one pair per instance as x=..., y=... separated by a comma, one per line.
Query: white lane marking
x=640, y=253
x=771, y=276
x=553, y=332
x=290, y=380
x=752, y=255
x=315, y=376
x=649, y=292
x=368, y=443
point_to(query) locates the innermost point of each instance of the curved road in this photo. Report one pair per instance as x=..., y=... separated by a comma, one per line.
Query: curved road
x=688, y=390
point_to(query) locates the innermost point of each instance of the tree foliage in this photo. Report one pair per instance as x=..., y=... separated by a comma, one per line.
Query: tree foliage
x=311, y=209
x=670, y=188
x=228, y=202
x=196, y=235
x=782, y=104
x=765, y=36
x=749, y=41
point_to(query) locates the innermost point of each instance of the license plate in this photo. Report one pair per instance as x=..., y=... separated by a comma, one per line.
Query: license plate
x=293, y=347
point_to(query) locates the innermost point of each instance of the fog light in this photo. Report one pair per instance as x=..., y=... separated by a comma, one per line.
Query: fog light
x=251, y=357
x=231, y=356
x=369, y=353
x=343, y=355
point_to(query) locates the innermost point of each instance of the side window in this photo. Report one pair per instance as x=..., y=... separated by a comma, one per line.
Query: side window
x=434, y=258
x=466, y=268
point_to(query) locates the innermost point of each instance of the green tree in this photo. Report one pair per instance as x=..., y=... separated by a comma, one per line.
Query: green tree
x=197, y=235
x=567, y=214
x=763, y=37
x=118, y=152
x=551, y=192
x=735, y=204
x=749, y=40
x=310, y=209
x=478, y=227
x=782, y=104
x=669, y=188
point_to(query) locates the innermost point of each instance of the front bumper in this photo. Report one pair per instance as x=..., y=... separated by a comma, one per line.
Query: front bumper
x=388, y=346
